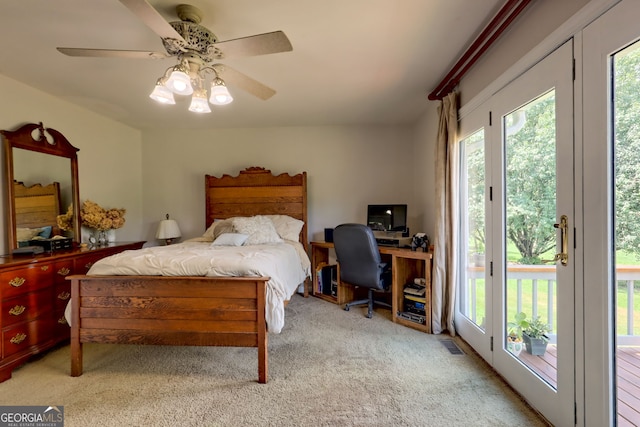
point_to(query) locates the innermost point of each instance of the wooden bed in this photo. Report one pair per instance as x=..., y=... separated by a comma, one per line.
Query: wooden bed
x=208, y=311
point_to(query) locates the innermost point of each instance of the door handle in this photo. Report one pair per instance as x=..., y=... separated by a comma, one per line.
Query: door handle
x=563, y=256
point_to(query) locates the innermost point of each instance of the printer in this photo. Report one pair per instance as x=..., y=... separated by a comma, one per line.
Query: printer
x=392, y=238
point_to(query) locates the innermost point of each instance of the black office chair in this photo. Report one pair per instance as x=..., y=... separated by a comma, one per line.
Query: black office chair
x=360, y=263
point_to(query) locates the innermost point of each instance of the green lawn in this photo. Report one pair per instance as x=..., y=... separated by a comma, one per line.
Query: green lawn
x=543, y=293
x=527, y=304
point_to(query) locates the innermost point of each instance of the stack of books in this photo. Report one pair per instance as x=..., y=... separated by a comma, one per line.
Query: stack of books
x=415, y=298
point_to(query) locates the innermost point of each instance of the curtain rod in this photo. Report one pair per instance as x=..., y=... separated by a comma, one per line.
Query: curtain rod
x=505, y=16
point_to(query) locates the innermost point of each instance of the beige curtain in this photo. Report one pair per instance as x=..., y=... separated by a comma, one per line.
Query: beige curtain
x=443, y=290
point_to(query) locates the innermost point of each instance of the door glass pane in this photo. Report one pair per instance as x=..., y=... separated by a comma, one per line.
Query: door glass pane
x=530, y=237
x=472, y=203
x=626, y=116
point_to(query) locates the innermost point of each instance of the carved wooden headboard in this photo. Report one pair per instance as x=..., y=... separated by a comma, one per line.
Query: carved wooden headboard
x=256, y=191
x=37, y=206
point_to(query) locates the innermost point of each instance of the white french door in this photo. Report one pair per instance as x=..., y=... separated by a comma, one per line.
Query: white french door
x=611, y=292
x=475, y=302
x=517, y=188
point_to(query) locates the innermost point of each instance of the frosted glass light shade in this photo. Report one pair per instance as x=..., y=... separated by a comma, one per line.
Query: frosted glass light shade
x=199, y=103
x=179, y=82
x=219, y=93
x=168, y=230
x=162, y=94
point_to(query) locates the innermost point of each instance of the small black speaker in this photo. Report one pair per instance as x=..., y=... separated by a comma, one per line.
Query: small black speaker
x=328, y=235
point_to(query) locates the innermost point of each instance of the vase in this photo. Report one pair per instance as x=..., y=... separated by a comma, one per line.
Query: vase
x=514, y=347
x=534, y=346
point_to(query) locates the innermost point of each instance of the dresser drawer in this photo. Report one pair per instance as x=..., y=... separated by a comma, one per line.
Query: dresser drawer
x=25, y=307
x=62, y=295
x=84, y=263
x=61, y=269
x=25, y=279
x=24, y=335
x=62, y=331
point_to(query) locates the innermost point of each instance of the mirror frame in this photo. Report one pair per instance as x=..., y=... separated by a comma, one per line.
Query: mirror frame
x=55, y=145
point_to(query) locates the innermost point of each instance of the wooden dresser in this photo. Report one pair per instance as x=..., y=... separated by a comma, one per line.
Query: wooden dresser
x=34, y=293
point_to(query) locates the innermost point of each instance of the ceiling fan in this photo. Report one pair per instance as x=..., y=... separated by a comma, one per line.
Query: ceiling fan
x=196, y=49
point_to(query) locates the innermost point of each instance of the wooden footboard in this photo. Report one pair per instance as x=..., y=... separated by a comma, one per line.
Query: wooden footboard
x=162, y=310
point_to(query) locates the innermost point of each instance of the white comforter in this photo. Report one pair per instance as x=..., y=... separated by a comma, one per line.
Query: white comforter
x=287, y=265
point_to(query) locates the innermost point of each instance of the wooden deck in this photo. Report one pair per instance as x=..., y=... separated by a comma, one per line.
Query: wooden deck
x=628, y=361
x=628, y=381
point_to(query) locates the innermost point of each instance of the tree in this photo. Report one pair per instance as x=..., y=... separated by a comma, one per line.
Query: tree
x=531, y=171
x=474, y=156
x=627, y=150
x=531, y=181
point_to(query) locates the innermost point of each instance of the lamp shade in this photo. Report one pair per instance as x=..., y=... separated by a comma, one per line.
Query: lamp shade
x=179, y=82
x=162, y=94
x=168, y=230
x=219, y=93
x=199, y=102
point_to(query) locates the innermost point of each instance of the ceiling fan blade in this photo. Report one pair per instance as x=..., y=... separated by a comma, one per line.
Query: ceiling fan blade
x=244, y=82
x=152, y=18
x=112, y=53
x=260, y=44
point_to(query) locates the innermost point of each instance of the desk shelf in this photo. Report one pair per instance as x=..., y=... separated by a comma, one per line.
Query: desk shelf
x=320, y=252
x=406, y=265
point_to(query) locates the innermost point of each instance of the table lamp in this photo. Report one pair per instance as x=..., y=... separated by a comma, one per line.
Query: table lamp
x=168, y=230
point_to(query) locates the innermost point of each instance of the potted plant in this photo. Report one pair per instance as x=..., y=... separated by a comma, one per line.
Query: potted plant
x=535, y=336
x=514, y=333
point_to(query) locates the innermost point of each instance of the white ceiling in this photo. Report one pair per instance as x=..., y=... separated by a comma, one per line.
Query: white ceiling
x=353, y=61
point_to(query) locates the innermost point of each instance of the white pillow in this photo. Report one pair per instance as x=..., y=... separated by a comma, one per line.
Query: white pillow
x=287, y=227
x=259, y=228
x=230, y=239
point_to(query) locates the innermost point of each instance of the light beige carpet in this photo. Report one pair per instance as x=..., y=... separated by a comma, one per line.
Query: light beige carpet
x=328, y=367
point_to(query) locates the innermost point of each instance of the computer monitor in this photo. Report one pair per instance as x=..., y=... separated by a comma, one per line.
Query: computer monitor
x=391, y=217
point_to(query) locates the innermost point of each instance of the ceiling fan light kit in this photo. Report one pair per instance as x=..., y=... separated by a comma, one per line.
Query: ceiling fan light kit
x=188, y=78
x=195, y=47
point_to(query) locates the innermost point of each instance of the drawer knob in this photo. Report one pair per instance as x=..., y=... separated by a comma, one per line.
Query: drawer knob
x=62, y=320
x=18, y=338
x=17, y=282
x=44, y=268
x=64, y=271
x=88, y=265
x=17, y=310
x=64, y=295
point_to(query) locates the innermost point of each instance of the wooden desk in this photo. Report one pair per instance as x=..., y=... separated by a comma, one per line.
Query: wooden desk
x=406, y=265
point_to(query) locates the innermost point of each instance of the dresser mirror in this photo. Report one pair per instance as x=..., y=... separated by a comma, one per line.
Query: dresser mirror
x=41, y=168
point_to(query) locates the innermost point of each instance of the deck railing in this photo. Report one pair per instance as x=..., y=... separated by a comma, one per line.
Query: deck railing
x=539, y=281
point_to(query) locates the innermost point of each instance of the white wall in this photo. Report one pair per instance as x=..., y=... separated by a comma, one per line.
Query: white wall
x=151, y=173
x=347, y=168
x=424, y=170
x=540, y=18
x=109, y=157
